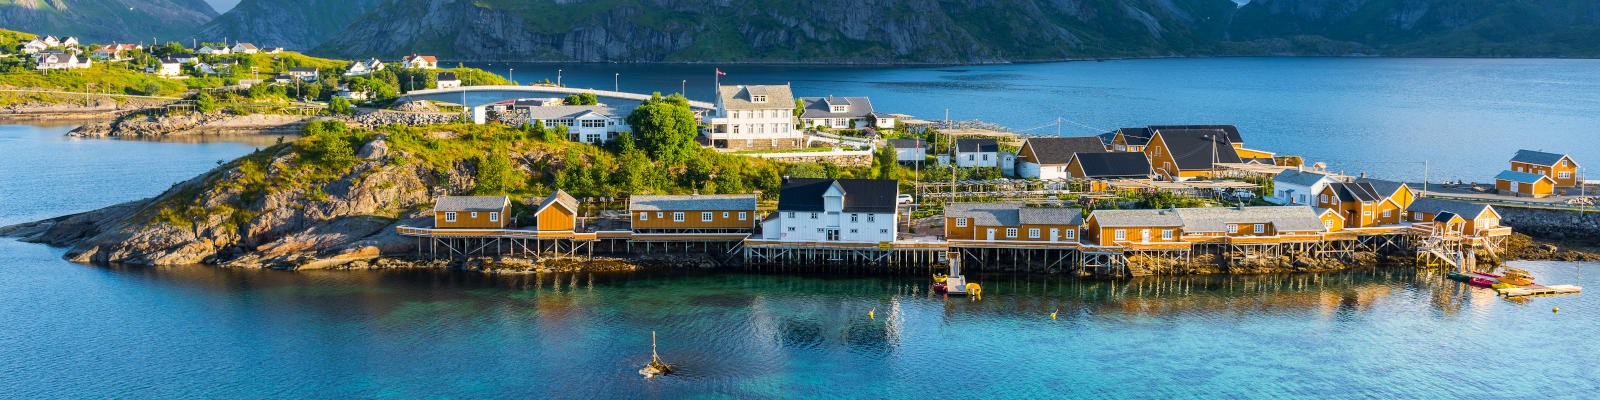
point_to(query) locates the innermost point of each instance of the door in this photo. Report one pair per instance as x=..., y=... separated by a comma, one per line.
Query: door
x=991, y=234
x=1145, y=235
x=833, y=234
x=1055, y=234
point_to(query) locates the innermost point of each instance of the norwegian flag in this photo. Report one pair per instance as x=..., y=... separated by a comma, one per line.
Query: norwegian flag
x=719, y=72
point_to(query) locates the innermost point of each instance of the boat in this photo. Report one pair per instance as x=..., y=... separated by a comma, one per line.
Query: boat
x=1487, y=274
x=939, y=278
x=939, y=288
x=1457, y=276
x=1480, y=282
x=1517, y=280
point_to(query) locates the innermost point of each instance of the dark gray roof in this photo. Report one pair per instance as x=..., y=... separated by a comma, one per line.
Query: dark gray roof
x=906, y=143
x=312, y=70
x=1284, y=218
x=977, y=145
x=1013, y=214
x=1517, y=176
x=1128, y=164
x=693, y=202
x=1134, y=136
x=444, y=76
x=1108, y=138
x=1356, y=191
x=1059, y=150
x=560, y=196
x=1537, y=157
x=1195, y=149
x=737, y=97
x=1445, y=216
x=822, y=107
x=471, y=203
x=1434, y=206
x=1302, y=178
x=1232, y=131
x=1260, y=160
x=860, y=195
x=1136, y=218
x=1384, y=187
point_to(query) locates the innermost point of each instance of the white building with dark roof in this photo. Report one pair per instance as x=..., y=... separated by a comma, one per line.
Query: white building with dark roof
x=754, y=117
x=63, y=61
x=976, y=152
x=587, y=124
x=834, y=210
x=909, y=150
x=1298, y=187
x=842, y=113
x=1048, y=157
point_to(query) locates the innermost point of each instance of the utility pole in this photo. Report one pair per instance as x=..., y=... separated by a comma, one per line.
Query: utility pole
x=513, y=76
x=616, y=83
x=558, y=79
x=1424, y=176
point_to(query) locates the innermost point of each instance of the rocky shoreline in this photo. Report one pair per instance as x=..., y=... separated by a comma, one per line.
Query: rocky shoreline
x=77, y=108
x=228, y=123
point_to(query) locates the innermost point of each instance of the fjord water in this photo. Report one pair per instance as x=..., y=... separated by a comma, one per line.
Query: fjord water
x=1384, y=116
x=81, y=331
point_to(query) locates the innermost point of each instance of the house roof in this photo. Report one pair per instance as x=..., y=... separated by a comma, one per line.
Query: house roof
x=471, y=203
x=302, y=70
x=1385, y=188
x=1136, y=218
x=1134, y=136
x=1114, y=164
x=431, y=59
x=546, y=113
x=906, y=143
x=1059, y=150
x=1232, y=131
x=977, y=145
x=245, y=45
x=737, y=97
x=1194, y=149
x=822, y=107
x=444, y=76
x=1283, y=218
x=860, y=195
x=170, y=60
x=1434, y=206
x=693, y=202
x=1356, y=191
x=1517, y=176
x=1013, y=214
x=559, y=197
x=1260, y=160
x=1446, y=216
x=1302, y=178
x=1537, y=157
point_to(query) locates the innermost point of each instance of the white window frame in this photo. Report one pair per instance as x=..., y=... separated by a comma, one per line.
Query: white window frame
x=677, y=217
x=872, y=218
x=743, y=215
x=494, y=216
x=1388, y=213
x=450, y=216
x=724, y=215
x=1121, y=234
x=855, y=217
x=1232, y=228
x=1166, y=234
x=1564, y=174
x=1033, y=233
x=474, y=215
x=961, y=222
x=1261, y=228
x=644, y=216
x=813, y=215
x=705, y=216
x=1011, y=232
x=1071, y=234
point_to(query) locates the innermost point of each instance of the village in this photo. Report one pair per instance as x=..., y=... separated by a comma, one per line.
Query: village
x=1010, y=201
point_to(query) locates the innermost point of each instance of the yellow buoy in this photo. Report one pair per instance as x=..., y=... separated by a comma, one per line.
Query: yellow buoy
x=975, y=291
x=870, y=313
x=1555, y=309
x=1053, y=314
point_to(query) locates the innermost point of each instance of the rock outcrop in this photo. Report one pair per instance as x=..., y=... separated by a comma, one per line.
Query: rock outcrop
x=100, y=21
x=220, y=122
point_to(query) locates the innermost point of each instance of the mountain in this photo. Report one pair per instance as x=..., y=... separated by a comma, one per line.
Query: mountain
x=293, y=24
x=870, y=31
x=1466, y=28
x=107, y=20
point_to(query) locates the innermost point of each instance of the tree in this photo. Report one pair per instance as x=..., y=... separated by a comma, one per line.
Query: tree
x=494, y=171
x=151, y=89
x=340, y=106
x=589, y=99
x=666, y=128
x=205, y=103
x=886, y=162
x=559, y=134
x=697, y=171
x=730, y=183
x=811, y=170
x=799, y=107
x=633, y=175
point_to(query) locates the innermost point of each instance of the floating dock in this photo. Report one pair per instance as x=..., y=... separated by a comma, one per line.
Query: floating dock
x=1539, y=290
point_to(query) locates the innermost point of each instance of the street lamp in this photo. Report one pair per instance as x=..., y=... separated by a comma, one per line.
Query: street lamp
x=616, y=82
x=684, y=88
x=558, y=78
x=512, y=76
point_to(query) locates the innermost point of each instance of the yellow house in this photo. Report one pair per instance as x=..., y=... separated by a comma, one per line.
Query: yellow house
x=1401, y=193
x=1130, y=139
x=698, y=213
x=1011, y=221
x=1479, y=219
x=1560, y=168
x=1181, y=154
x=1524, y=184
x=471, y=212
x=558, y=212
x=1130, y=227
x=1360, y=204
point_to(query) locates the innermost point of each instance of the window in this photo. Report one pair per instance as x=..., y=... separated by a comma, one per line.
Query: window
x=961, y=222
x=840, y=109
x=813, y=215
x=1072, y=233
x=1122, y=235
x=594, y=123
x=644, y=216
x=1387, y=213
x=852, y=230
x=855, y=217
x=1366, y=213
x=494, y=217
x=1011, y=232
x=759, y=98
x=871, y=218
x=705, y=217
x=1324, y=198
x=1328, y=224
x=449, y=217
x=1261, y=228
x=972, y=157
x=1166, y=234
x=883, y=231
x=1564, y=174
x=1033, y=233
x=474, y=215
x=677, y=217
x=1233, y=228
x=986, y=157
x=742, y=215
x=791, y=229
x=725, y=215
x=791, y=214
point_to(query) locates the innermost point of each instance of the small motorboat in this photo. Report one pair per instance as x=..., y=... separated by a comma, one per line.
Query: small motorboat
x=940, y=287
x=1457, y=276
x=1480, y=282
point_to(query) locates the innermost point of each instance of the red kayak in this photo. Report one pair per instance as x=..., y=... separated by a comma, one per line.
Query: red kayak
x=1480, y=282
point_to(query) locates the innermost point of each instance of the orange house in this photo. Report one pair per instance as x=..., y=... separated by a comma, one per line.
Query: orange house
x=1479, y=219
x=1124, y=227
x=1360, y=204
x=558, y=212
x=1130, y=139
x=1256, y=224
x=1011, y=221
x=1558, y=167
x=1181, y=154
x=1332, y=221
x=1399, y=192
x=1524, y=184
x=728, y=213
x=469, y=212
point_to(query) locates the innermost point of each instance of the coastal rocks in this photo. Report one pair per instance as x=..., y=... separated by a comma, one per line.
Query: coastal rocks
x=219, y=122
x=381, y=118
x=1557, y=225
x=47, y=106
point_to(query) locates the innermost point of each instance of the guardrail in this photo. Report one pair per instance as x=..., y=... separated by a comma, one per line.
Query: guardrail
x=90, y=94
x=1519, y=203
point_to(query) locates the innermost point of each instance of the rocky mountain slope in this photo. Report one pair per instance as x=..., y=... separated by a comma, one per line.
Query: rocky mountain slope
x=107, y=20
x=296, y=25
x=871, y=31
x=1470, y=28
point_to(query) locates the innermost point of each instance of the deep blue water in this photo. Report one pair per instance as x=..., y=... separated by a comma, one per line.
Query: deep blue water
x=1385, y=116
x=80, y=331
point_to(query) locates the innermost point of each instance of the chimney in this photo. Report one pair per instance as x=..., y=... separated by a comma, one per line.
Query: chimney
x=1363, y=174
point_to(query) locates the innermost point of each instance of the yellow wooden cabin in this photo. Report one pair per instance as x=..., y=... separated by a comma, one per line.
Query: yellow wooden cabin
x=1360, y=204
x=1274, y=224
x=1181, y=154
x=471, y=212
x=1130, y=139
x=557, y=213
x=1132, y=227
x=1559, y=167
x=1478, y=219
x=1011, y=221
x=1524, y=184
x=698, y=213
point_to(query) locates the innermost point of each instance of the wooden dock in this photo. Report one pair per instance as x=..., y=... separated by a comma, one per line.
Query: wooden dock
x=1539, y=290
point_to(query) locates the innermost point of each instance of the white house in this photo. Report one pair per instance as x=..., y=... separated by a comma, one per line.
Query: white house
x=170, y=68
x=205, y=68
x=587, y=124
x=346, y=93
x=308, y=74
x=272, y=50
x=107, y=54
x=64, y=61
x=420, y=62
x=446, y=80
x=34, y=46
x=219, y=50
x=842, y=113
x=1048, y=157
x=186, y=58
x=834, y=210
x=244, y=48
x=50, y=40
x=69, y=41
x=364, y=67
x=970, y=153
x=754, y=116
x=909, y=150
x=1298, y=187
